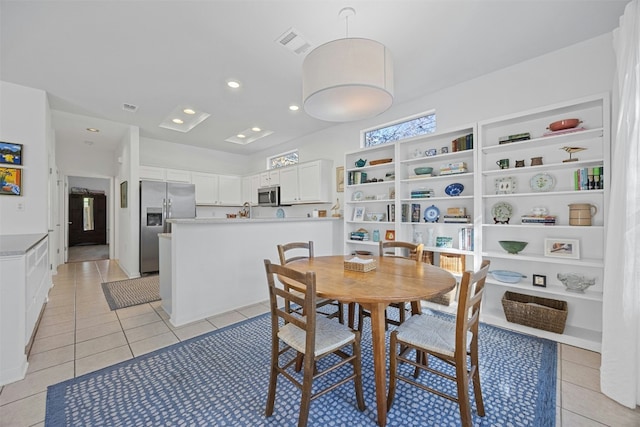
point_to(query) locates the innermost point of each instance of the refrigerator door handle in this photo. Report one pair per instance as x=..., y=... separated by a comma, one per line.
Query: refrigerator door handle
x=169, y=208
x=164, y=215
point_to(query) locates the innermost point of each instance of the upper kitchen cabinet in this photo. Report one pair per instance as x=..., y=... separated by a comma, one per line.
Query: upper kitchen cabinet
x=250, y=185
x=269, y=178
x=219, y=190
x=306, y=183
x=163, y=174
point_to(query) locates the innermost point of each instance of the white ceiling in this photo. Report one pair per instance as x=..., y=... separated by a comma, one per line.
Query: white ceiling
x=92, y=56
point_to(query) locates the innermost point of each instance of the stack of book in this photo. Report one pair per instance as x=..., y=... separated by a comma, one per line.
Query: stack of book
x=444, y=242
x=453, y=168
x=539, y=219
x=460, y=219
x=422, y=193
x=360, y=235
x=588, y=178
x=462, y=143
x=514, y=138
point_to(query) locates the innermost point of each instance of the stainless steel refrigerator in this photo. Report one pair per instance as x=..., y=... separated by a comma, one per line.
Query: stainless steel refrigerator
x=160, y=201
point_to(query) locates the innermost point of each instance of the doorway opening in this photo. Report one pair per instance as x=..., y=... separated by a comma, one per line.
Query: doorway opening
x=87, y=236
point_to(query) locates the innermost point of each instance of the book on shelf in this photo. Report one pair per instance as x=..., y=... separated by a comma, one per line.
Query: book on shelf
x=462, y=219
x=453, y=168
x=588, y=178
x=525, y=136
x=391, y=212
x=538, y=219
x=415, y=212
x=465, y=238
x=356, y=177
x=462, y=143
x=404, y=212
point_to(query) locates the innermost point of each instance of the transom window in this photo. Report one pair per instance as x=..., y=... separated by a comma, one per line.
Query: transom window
x=407, y=128
x=281, y=160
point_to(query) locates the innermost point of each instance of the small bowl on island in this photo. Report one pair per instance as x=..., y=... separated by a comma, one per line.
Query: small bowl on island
x=575, y=282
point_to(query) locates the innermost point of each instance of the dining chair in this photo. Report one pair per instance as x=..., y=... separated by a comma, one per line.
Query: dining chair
x=311, y=335
x=388, y=248
x=453, y=341
x=293, y=251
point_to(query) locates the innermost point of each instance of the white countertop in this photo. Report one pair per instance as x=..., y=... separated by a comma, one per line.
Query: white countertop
x=19, y=244
x=215, y=220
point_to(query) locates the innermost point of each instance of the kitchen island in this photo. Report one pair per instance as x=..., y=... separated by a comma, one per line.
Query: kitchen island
x=216, y=265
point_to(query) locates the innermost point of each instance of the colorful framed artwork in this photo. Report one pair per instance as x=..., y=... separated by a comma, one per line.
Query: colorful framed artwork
x=562, y=248
x=10, y=153
x=10, y=181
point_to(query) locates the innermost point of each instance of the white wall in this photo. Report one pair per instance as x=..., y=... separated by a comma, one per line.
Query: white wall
x=127, y=158
x=24, y=120
x=154, y=152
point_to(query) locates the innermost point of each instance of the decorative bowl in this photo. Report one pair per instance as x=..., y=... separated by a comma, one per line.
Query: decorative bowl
x=512, y=246
x=507, y=276
x=575, y=282
x=375, y=216
x=564, y=124
x=423, y=170
x=454, y=189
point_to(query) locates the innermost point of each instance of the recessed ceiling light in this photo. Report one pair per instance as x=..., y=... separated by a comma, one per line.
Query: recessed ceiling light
x=249, y=135
x=233, y=84
x=178, y=121
x=183, y=118
x=188, y=111
x=93, y=130
x=241, y=135
x=293, y=107
x=256, y=129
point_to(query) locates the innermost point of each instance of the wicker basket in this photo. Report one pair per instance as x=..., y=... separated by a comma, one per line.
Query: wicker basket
x=444, y=299
x=540, y=313
x=359, y=266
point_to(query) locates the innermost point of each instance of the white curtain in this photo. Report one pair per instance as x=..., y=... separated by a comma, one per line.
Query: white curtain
x=620, y=369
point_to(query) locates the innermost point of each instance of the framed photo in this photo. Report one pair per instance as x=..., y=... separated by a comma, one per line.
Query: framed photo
x=540, y=280
x=562, y=248
x=358, y=213
x=10, y=182
x=10, y=153
x=340, y=179
x=444, y=150
x=123, y=194
x=390, y=235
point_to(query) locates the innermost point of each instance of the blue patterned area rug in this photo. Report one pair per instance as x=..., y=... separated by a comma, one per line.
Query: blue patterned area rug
x=221, y=379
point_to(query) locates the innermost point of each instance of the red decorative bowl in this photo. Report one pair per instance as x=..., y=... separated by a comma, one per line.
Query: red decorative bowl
x=564, y=124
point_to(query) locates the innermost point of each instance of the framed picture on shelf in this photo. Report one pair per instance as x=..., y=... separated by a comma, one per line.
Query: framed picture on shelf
x=10, y=153
x=562, y=248
x=540, y=280
x=358, y=213
x=11, y=181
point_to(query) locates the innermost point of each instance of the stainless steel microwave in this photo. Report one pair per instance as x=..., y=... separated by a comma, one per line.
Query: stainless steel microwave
x=269, y=196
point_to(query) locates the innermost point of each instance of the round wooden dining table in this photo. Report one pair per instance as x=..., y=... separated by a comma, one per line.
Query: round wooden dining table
x=393, y=280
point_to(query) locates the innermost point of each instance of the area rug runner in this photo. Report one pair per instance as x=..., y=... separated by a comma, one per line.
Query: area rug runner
x=221, y=379
x=126, y=293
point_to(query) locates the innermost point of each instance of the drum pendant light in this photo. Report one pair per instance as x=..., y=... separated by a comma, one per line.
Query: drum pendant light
x=347, y=79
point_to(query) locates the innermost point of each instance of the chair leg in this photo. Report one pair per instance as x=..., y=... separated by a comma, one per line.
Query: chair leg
x=357, y=367
x=393, y=366
x=402, y=313
x=421, y=359
x=477, y=390
x=462, y=381
x=351, y=314
x=307, y=383
x=273, y=382
x=360, y=317
x=340, y=313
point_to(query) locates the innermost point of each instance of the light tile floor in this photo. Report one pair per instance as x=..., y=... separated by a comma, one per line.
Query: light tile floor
x=79, y=334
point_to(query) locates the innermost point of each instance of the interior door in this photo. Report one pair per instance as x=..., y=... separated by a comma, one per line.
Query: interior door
x=87, y=219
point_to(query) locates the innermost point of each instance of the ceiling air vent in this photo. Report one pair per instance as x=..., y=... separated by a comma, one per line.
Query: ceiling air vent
x=130, y=108
x=294, y=41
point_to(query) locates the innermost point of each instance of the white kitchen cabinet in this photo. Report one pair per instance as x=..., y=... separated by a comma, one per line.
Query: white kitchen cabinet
x=250, y=185
x=176, y=175
x=220, y=190
x=306, y=183
x=269, y=178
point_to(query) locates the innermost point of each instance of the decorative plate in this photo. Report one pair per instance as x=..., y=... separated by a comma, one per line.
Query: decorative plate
x=280, y=213
x=506, y=185
x=542, y=182
x=501, y=212
x=357, y=196
x=432, y=214
x=454, y=189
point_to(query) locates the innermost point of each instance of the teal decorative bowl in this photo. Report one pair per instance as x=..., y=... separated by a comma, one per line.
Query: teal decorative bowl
x=512, y=246
x=423, y=171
